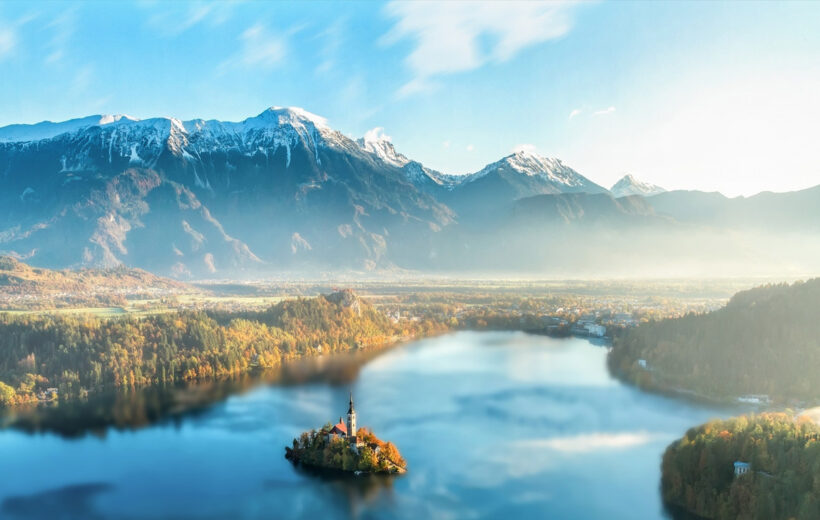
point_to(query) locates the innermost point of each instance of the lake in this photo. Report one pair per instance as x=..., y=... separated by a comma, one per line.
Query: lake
x=492, y=425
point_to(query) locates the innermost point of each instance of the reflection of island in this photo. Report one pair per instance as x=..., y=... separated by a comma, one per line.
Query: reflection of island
x=344, y=447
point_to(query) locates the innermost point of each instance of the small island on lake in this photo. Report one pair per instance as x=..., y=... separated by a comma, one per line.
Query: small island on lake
x=343, y=447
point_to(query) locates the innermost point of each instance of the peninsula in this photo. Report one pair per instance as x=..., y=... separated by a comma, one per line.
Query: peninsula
x=344, y=447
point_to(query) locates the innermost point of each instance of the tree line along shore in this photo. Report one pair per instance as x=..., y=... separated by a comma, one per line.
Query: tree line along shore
x=65, y=357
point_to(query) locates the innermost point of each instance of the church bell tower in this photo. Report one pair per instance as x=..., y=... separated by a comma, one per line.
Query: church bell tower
x=351, y=419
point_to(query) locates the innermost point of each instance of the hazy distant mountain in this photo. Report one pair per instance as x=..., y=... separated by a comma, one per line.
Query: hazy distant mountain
x=282, y=191
x=591, y=208
x=629, y=185
x=498, y=185
x=783, y=212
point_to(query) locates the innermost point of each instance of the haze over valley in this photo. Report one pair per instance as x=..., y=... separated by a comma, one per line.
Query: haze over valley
x=283, y=192
x=475, y=259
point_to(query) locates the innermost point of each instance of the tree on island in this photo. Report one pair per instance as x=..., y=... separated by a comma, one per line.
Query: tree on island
x=345, y=447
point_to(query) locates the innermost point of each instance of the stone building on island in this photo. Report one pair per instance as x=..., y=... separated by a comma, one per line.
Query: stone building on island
x=346, y=430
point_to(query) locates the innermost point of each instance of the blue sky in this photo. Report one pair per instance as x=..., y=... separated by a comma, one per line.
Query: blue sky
x=705, y=95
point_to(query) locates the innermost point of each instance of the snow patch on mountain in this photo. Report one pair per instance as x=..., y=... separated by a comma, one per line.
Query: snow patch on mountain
x=48, y=129
x=629, y=185
x=550, y=170
x=376, y=142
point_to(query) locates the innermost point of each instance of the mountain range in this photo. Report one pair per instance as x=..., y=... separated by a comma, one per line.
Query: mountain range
x=285, y=192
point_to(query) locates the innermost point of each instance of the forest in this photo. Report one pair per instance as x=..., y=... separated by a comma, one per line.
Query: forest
x=783, y=481
x=80, y=354
x=764, y=341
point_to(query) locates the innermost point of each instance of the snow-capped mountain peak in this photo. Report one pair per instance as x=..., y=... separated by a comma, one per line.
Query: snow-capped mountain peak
x=376, y=142
x=530, y=163
x=629, y=185
x=293, y=116
x=49, y=129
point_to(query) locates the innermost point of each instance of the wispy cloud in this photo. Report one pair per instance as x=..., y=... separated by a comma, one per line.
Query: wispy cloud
x=604, y=111
x=258, y=48
x=8, y=40
x=470, y=148
x=451, y=37
x=62, y=28
x=10, y=34
x=525, y=147
x=82, y=80
x=174, y=18
x=575, y=112
x=332, y=38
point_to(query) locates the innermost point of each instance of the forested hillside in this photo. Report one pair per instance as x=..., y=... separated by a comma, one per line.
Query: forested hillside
x=784, y=477
x=78, y=354
x=25, y=287
x=764, y=341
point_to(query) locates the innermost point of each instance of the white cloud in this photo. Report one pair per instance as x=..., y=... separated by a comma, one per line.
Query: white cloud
x=604, y=111
x=259, y=48
x=452, y=37
x=574, y=113
x=470, y=147
x=446, y=144
x=377, y=134
x=526, y=147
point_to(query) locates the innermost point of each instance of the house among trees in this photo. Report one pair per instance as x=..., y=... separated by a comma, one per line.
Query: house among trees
x=741, y=468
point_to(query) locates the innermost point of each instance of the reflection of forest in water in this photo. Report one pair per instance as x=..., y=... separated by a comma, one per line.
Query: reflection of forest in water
x=130, y=409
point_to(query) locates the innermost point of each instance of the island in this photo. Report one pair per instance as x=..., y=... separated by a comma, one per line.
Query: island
x=344, y=447
x=748, y=467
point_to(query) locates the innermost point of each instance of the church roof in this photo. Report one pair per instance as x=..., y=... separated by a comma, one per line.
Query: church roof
x=339, y=429
x=350, y=409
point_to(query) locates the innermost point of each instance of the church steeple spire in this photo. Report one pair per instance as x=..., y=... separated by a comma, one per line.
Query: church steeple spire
x=351, y=418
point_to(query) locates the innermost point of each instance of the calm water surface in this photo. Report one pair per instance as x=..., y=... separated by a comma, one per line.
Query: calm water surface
x=493, y=425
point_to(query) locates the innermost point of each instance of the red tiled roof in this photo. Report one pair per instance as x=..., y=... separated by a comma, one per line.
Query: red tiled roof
x=339, y=429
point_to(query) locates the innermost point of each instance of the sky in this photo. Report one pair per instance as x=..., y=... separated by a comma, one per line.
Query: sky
x=716, y=96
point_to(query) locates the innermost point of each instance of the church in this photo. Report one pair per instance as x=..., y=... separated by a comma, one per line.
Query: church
x=346, y=430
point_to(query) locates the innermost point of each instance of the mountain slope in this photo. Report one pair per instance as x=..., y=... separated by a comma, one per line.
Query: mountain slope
x=26, y=287
x=284, y=192
x=165, y=193
x=476, y=197
x=629, y=185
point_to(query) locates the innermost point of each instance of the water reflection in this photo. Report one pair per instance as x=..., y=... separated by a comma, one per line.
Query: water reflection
x=65, y=503
x=359, y=492
x=132, y=409
x=493, y=425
